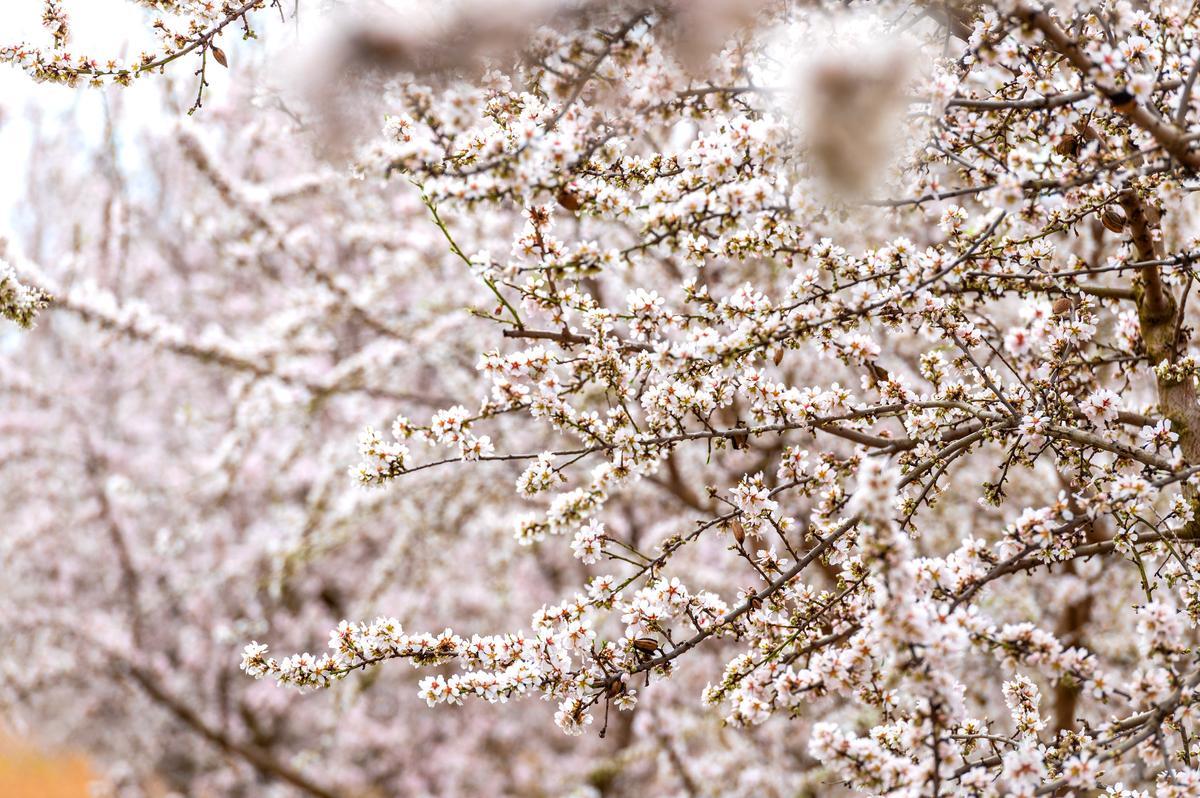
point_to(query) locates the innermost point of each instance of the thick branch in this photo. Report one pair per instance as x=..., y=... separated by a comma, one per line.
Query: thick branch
x=1155, y=303
x=1159, y=322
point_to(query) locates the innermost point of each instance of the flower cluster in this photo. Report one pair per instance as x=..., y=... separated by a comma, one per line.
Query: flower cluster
x=19, y=303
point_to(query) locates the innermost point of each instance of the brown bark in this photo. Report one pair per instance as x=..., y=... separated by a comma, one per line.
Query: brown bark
x=1159, y=320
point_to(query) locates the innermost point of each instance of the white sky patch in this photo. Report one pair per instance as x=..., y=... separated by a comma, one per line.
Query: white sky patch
x=100, y=29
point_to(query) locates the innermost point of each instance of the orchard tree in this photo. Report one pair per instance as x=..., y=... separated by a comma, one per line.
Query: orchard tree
x=799, y=397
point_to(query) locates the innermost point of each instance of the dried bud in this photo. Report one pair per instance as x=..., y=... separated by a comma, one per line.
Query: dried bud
x=877, y=373
x=219, y=56
x=778, y=356
x=647, y=645
x=1123, y=100
x=616, y=688
x=568, y=199
x=1068, y=146
x=739, y=531
x=1062, y=306
x=1113, y=218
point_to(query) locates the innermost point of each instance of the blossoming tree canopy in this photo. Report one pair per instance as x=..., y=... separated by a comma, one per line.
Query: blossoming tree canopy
x=833, y=365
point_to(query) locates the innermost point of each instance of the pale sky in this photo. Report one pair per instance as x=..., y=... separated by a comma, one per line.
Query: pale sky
x=101, y=29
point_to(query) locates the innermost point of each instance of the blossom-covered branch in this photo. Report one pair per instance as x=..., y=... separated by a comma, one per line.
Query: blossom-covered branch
x=835, y=367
